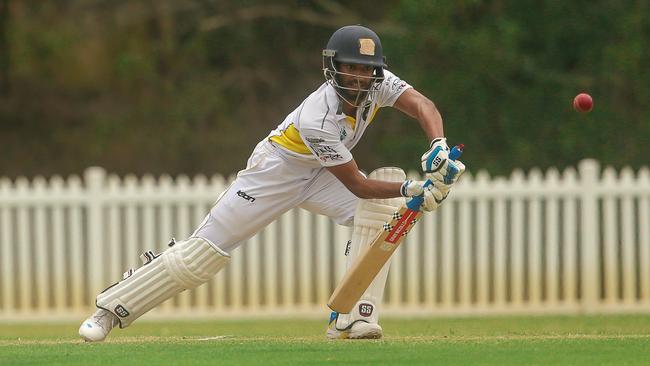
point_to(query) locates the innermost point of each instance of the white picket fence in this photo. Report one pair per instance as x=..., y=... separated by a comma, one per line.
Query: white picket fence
x=576, y=241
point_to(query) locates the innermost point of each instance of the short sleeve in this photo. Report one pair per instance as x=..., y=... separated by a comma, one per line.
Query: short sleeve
x=390, y=89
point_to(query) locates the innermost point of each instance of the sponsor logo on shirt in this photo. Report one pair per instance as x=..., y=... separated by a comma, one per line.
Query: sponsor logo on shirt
x=343, y=133
x=323, y=152
x=330, y=157
x=398, y=85
x=246, y=196
x=395, y=84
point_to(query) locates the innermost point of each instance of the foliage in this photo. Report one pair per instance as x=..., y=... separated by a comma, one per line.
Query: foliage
x=186, y=87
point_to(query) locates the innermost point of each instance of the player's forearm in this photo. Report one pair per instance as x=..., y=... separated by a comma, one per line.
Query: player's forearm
x=371, y=188
x=417, y=106
x=430, y=119
x=362, y=187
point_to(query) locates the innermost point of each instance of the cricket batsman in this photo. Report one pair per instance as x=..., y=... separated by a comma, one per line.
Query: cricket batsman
x=305, y=162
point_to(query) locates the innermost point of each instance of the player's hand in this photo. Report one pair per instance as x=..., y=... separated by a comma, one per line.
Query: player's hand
x=455, y=169
x=432, y=195
x=437, y=166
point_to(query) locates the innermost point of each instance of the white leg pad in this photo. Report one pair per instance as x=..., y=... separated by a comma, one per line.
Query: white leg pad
x=369, y=217
x=185, y=265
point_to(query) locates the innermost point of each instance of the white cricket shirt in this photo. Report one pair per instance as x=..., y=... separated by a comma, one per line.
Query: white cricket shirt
x=319, y=132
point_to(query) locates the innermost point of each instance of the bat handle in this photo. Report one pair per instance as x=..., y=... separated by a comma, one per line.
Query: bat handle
x=415, y=203
x=456, y=151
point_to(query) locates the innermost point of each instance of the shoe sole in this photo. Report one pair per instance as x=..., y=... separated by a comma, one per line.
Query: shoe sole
x=373, y=334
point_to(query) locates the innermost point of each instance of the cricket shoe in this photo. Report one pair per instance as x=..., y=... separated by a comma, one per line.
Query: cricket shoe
x=359, y=329
x=97, y=327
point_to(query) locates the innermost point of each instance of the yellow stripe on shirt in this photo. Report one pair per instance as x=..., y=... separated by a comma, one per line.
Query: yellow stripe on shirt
x=352, y=121
x=291, y=140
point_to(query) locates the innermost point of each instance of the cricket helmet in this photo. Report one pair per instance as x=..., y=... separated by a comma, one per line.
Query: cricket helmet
x=354, y=44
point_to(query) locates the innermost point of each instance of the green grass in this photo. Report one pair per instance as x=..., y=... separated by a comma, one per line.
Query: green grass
x=556, y=340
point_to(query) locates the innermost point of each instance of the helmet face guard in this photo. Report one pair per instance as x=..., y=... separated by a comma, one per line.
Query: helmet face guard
x=366, y=86
x=355, y=45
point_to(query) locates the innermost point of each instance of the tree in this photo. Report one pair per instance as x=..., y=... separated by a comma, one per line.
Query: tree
x=4, y=48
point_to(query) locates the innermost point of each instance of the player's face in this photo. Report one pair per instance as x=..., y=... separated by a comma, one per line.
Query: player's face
x=356, y=78
x=357, y=75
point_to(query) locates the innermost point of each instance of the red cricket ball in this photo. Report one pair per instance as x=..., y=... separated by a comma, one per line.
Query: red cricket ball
x=583, y=102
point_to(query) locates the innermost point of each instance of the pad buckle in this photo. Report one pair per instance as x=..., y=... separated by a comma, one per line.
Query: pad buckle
x=148, y=256
x=348, y=246
x=128, y=273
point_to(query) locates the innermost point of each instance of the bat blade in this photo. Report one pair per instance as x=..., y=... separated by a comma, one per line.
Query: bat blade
x=367, y=266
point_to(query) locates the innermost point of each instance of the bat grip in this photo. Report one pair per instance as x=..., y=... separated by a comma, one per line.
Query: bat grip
x=415, y=202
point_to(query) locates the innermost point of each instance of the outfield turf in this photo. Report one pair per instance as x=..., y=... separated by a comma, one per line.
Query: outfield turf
x=556, y=340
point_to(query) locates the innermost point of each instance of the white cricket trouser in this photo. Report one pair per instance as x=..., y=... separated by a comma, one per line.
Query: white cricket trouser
x=272, y=184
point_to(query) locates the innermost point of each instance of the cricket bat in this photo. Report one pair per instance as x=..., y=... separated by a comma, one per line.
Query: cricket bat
x=367, y=266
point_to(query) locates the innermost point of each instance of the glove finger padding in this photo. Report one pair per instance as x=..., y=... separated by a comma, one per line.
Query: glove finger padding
x=455, y=168
x=448, y=174
x=442, y=187
x=433, y=197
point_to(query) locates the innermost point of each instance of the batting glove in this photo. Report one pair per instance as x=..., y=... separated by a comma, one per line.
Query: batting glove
x=437, y=166
x=432, y=195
